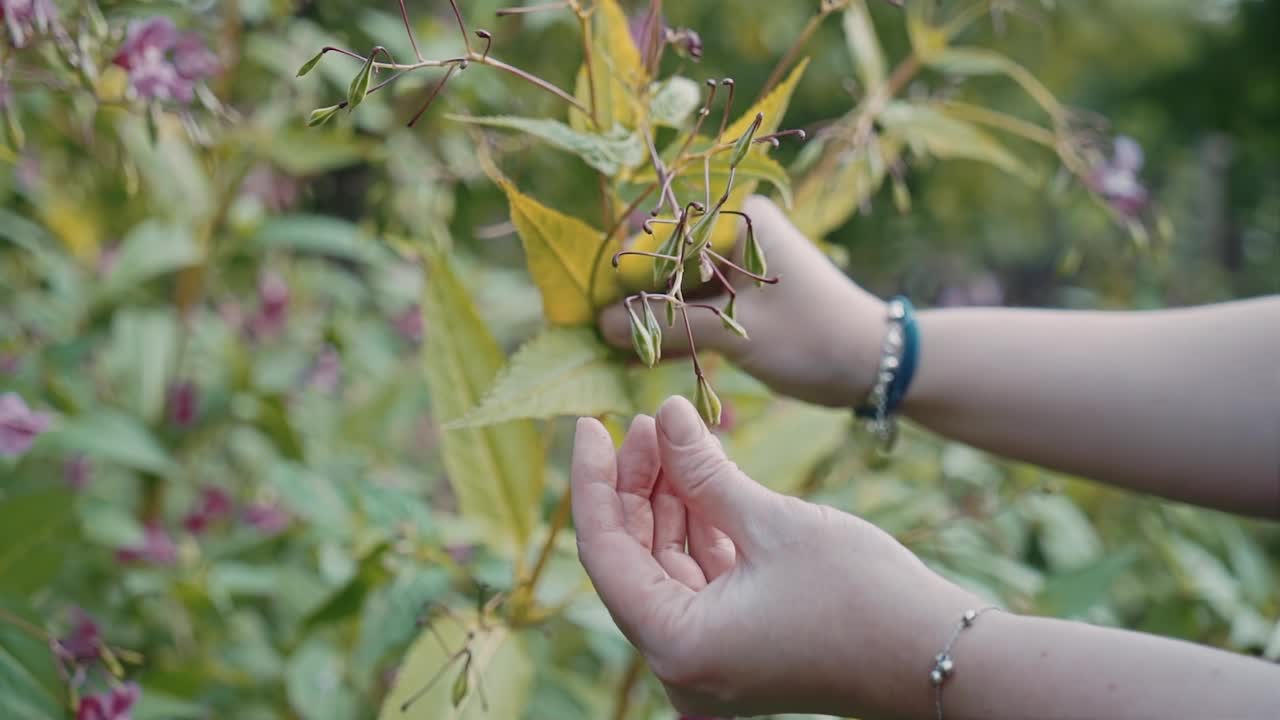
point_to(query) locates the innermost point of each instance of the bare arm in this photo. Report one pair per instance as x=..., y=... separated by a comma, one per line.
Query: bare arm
x=1025, y=667
x=1179, y=403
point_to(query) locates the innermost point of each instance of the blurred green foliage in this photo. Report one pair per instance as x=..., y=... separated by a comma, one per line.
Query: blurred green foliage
x=223, y=298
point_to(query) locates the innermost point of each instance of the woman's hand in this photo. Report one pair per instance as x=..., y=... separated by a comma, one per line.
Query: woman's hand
x=745, y=601
x=814, y=335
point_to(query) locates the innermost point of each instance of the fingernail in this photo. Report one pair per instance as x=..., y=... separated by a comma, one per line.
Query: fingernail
x=679, y=421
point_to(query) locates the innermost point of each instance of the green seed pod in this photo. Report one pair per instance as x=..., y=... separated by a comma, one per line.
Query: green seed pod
x=707, y=402
x=706, y=270
x=643, y=340
x=310, y=64
x=671, y=313
x=662, y=268
x=360, y=83
x=730, y=322
x=653, y=328
x=743, y=145
x=321, y=116
x=753, y=259
x=700, y=234
x=462, y=683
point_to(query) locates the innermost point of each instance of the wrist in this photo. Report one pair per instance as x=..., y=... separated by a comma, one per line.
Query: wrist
x=860, y=331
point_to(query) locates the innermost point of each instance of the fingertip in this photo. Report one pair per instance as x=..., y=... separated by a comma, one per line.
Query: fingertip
x=679, y=423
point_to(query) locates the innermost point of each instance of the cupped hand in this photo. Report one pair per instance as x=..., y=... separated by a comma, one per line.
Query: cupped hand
x=815, y=335
x=745, y=601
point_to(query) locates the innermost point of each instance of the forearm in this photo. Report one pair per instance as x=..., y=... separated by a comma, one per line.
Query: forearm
x=1179, y=403
x=1024, y=667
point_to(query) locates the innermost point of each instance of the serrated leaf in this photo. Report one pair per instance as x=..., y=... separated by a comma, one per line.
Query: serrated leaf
x=559, y=250
x=501, y=666
x=609, y=153
x=831, y=193
x=782, y=447
x=864, y=46
x=562, y=371
x=617, y=72
x=673, y=101
x=496, y=472
x=773, y=106
x=35, y=530
x=927, y=129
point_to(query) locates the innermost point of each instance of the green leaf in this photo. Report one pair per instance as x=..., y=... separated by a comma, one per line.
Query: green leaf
x=927, y=40
x=150, y=250
x=321, y=235
x=559, y=250
x=562, y=371
x=496, y=472
x=1248, y=561
x=864, y=46
x=35, y=531
x=773, y=106
x=980, y=61
x=1067, y=538
x=311, y=495
x=140, y=358
x=1073, y=593
x=315, y=680
x=609, y=153
x=390, y=616
x=673, y=101
x=783, y=446
x=1207, y=576
x=929, y=130
x=175, y=181
x=30, y=688
x=617, y=73
x=830, y=194
x=500, y=663
x=346, y=602
x=112, y=436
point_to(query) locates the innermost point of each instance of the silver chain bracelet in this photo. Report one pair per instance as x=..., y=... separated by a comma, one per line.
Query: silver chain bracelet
x=944, y=665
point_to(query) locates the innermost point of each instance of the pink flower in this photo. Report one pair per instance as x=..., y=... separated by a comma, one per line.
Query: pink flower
x=163, y=63
x=114, y=704
x=409, y=324
x=77, y=470
x=157, y=548
x=25, y=18
x=84, y=643
x=267, y=518
x=214, y=505
x=183, y=404
x=273, y=307
x=19, y=425
x=326, y=371
x=1116, y=180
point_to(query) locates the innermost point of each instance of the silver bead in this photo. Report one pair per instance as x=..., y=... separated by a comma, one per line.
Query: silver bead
x=891, y=362
x=946, y=665
x=885, y=377
x=897, y=310
x=895, y=336
x=968, y=617
x=935, y=677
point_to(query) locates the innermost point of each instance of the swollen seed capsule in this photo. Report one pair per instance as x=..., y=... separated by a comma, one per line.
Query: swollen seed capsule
x=642, y=340
x=707, y=402
x=753, y=258
x=653, y=328
x=743, y=145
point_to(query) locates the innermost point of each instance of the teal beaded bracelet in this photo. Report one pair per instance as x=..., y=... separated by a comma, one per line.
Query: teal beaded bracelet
x=899, y=355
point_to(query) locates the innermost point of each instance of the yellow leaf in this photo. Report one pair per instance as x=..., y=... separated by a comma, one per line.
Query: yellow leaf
x=559, y=250
x=773, y=106
x=74, y=226
x=617, y=73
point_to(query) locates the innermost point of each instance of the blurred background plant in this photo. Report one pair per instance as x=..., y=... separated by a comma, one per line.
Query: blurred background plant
x=229, y=343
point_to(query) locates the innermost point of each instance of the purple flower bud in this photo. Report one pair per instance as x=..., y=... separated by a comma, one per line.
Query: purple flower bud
x=273, y=307
x=157, y=548
x=25, y=18
x=164, y=64
x=77, y=470
x=267, y=518
x=326, y=371
x=19, y=425
x=214, y=505
x=686, y=43
x=409, y=324
x=83, y=645
x=114, y=704
x=1116, y=180
x=184, y=404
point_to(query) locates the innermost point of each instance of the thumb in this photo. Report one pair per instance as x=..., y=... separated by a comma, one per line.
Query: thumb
x=695, y=465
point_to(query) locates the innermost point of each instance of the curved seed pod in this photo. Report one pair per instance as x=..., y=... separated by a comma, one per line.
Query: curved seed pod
x=320, y=116
x=707, y=402
x=360, y=83
x=743, y=145
x=753, y=259
x=642, y=339
x=653, y=328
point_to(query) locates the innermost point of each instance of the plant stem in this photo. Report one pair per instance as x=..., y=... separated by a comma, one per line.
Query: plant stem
x=408, y=29
x=462, y=26
x=608, y=237
x=1001, y=121
x=558, y=521
x=629, y=679
x=809, y=29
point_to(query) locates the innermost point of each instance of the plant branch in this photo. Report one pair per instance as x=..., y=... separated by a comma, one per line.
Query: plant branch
x=558, y=521
x=408, y=29
x=729, y=263
x=462, y=26
x=629, y=679
x=828, y=7
x=608, y=237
